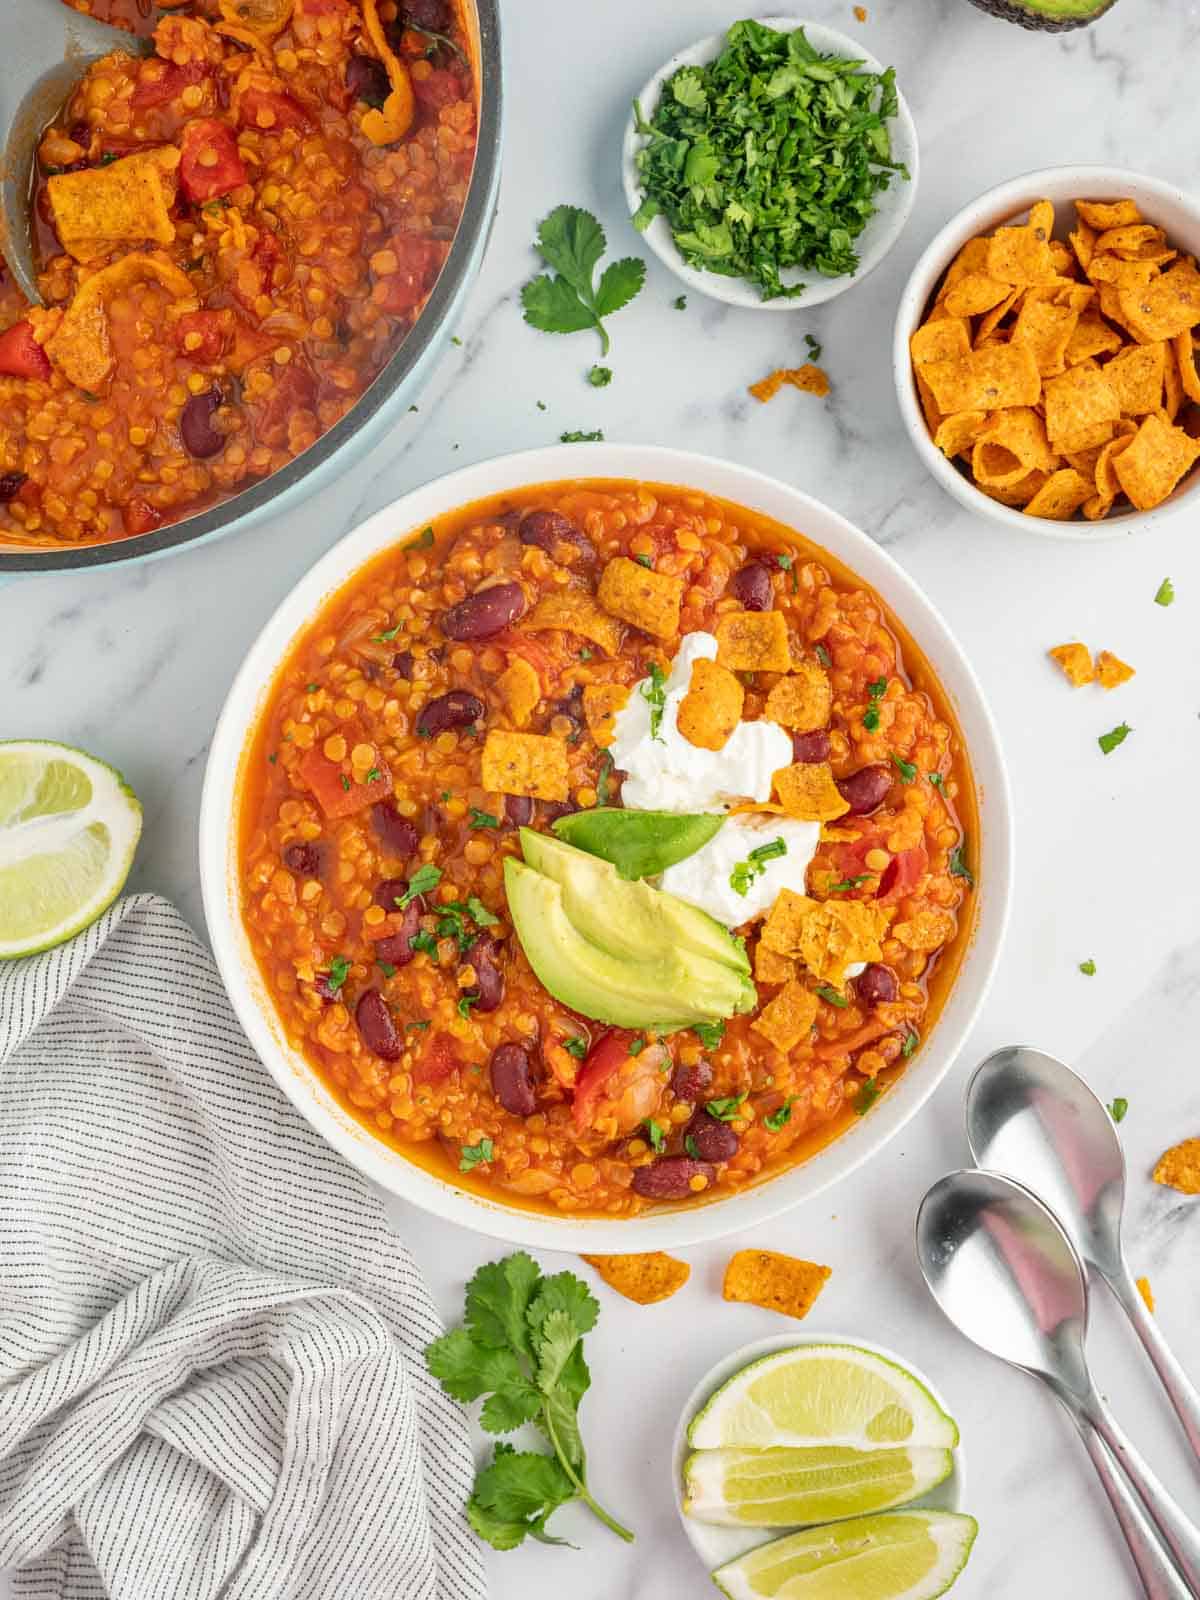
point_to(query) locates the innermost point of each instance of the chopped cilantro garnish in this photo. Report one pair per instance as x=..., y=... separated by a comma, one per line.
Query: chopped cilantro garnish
x=680, y=302
x=875, y=693
x=390, y=633
x=1165, y=593
x=570, y=241
x=422, y=542
x=471, y=1155
x=905, y=768
x=386, y=967
x=823, y=656
x=788, y=563
x=781, y=1118
x=655, y=1136
x=653, y=692
x=455, y=340
x=1117, y=1108
x=692, y=1148
x=911, y=1040
x=425, y=942
x=579, y=436
x=600, y=377
x=814, y=349
x=541, y=405
x=602, y=781
x=745, y=872
x=576, y=1047
x=374, y=775
x=728, y=1109
x=709, y=1034
x=866, y=1097
x=339, y=971
x=833, y=997
x=636, y=1046
x=585, y=654
x=424, y=879
x=273, y=757
x=345, y=782
x=768, y=157
x=938, y=782
x=465, y=1002
x=416, y=1026
x=1109, y=741
x=645, y=561
x=847, y=884
x=311, y=688
x=1088, y=968
x=958, y=866
x=482, y=819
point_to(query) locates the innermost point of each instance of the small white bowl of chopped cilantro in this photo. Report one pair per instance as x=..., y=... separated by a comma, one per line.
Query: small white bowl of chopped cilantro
x=772, y=166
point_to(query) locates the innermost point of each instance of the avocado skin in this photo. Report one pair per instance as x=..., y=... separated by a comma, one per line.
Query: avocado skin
x=1028, y=16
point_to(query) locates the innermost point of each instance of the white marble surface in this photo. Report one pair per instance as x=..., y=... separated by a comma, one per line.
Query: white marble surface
x=134, y=665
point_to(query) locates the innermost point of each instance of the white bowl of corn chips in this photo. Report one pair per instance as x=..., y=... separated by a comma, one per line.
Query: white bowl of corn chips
x=1045, y=353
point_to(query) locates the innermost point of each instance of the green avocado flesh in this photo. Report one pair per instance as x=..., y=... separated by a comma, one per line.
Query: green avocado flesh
x=640, y=844
x=628, y=919
x=661, y=985
x=1052, y=15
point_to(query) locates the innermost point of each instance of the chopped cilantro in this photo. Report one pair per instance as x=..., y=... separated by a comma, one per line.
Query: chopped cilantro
x=1165, y=593
x=602, y=781
x=585, y=654
x=454, y=339
x=692, y=1148
x=768, y=157
x=788, y=563
x=938, y=782
x=728, y=1109
x=541, y=405
x=1109, y=741
x=568, y=300
x=424, y=942
x=600, y=377
x=655, y=1136
x=745, y=872
x=847, y=884
x=388, y=635
x=339, y=971
x=482, y=819
x=875, y=693
x=833, y=997
x=465, y=1002
x=415, y=1026
x=374, y=775
x=1117, y=1108
x=424, y=879
x=814, y=349
x=905, y=768
x=576, y=1047
x=866, y=1097
x=823, y=656
x=636, y=1046
x=386, y=967
x=781, y=1118
x=579, y=436
x=345, y=782
x=273, y=757
x=958, y=867
x=709, y=1034
x=911, y=1040
x=422, y=542
x=471, y=1155
x=311, y=688
x=645, y=561
x=680, y=302
x=653, y=692
x=1088, y=968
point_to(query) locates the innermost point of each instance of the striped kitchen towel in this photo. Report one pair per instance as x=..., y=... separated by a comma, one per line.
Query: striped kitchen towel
x=211, y=1380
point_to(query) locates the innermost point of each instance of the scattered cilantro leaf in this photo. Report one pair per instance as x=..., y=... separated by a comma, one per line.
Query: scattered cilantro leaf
x=386, y=967
x=636, y=1046
x=709, y=1034
x=466, y=1002
x=471, y=1156
x=1164, y=595
x=422, y=542
x=911, y=1040
x=423, y=880
x=958, y=866
x=780, y=1118
x=580, y=436
x=833, y=997
x=417, y=1026
x=655, y=1136
x=823, y=656
x=339, y=971
x=1088, y=968
x=905, y=768
x=1109, y=741
x=373, y=776
x=600, y=377
x=875, y=693
x=576, y=1047
x=1117, y=1108
x=745, y=872
x=570, y=241
x=813, y=347
x=788, y=564
x=604, y=777
x=692, y=1148
x=728, y=1109
x=866, y=1097
x=455, y=340
x=482, y=819
x=847, y=884
x=345, y=782
x=388, y=635
x=653, y=692
x=645, y=561
x=425, y=942
x=680, y=302
x=938, y=782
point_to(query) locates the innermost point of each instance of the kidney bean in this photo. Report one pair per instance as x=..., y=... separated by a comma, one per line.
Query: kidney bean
x=433, y=14
x=751, y=585
x=549, y=529
x=402, y=662
x=389, y=890
x=489, y=980
x=458, y=708
x=713, y=1139
x=865, y=791
x=512, y=1079
x=811, y=747
x=200, y=438
x=485, y=612
x=321, y=985
x=670, y=1178
x=689, y=1083
x=304, y=859
x=518, y=810
x=876, y=985
x=10, y=486
x=377, y=1027
x=397, y=948
x=396, y=833
x=367, y=80
x=553, y=809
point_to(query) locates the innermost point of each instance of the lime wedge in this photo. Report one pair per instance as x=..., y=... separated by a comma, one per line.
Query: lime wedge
x=68, y=828
x=793, y=1488
x=822, y=1394
x=906, y=1555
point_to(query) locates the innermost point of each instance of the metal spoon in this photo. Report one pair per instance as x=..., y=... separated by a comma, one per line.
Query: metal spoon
x=46, y=52
x=1006, y=1275
x=1031, y=1117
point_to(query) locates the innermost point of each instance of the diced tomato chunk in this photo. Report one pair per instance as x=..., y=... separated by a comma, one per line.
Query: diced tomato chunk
x=142, y=517
x=903, y=873
x=603, y=1060
x=209, y=163
x=438, y=1061
x=21, y=356
x=295, y=390
x=420, y=261
x=161, y=81
x=208, y=327
x=334, y=787
x=271, y=112
x=522, y=644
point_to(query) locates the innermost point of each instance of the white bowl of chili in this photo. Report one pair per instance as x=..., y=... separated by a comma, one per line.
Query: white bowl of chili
x=891, y=205
x=244, y=741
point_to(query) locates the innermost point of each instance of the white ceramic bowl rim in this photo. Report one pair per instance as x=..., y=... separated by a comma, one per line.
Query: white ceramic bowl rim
x=252, y=1003
x=893, y=206
x=990, y=209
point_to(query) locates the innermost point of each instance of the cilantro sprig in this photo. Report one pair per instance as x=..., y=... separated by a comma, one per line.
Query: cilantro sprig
x=567, y=300
x=522, y=1348
x=745, y=872
x=653, y=691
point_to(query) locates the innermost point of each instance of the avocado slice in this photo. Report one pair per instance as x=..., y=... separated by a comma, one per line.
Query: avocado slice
x=664, y=989
x=628, y=919
x=1046, y=16
x=640, y=844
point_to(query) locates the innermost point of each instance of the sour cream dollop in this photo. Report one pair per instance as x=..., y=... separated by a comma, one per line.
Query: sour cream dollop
x=706, y=879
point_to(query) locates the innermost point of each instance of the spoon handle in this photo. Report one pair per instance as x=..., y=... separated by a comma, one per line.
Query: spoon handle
x=1180, y=1390
x=1181, y=1535
x=1159, y=1575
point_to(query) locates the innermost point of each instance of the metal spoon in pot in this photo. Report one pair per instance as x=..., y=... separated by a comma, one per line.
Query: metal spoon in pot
x=1006, y=1275
x=46, y=52
x=1031, y=1117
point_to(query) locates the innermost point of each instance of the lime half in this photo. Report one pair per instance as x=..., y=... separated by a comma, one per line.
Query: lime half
x=69, y=826
x=794, y=1488
x=906, y=1555
x=822, y=1394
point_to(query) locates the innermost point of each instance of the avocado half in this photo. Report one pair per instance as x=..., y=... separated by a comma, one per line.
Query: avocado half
x=1046, y=16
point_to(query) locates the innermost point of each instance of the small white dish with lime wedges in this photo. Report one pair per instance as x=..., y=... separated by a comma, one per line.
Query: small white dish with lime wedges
x=869, y=1441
